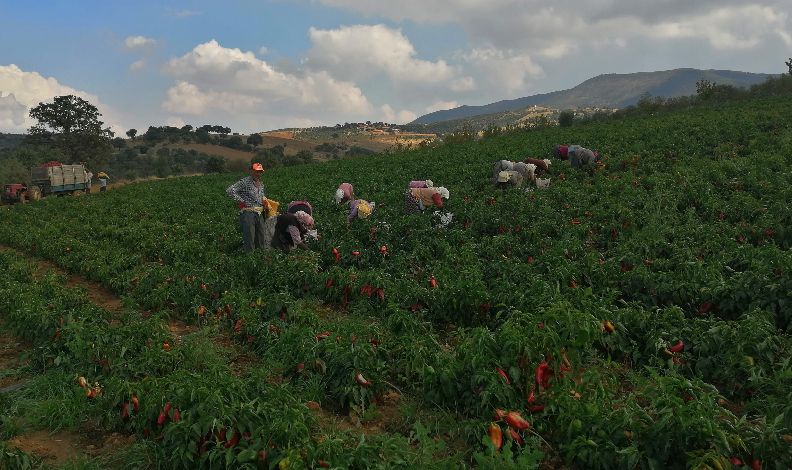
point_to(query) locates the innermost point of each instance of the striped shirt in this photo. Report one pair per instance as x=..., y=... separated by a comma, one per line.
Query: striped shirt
x=245, y=190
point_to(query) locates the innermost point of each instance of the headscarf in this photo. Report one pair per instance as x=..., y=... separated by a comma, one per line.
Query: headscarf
x=443, y=192
x=305, y=220
x=339, y=195
x=429, y=183
x=503, y=176
x=364, y=210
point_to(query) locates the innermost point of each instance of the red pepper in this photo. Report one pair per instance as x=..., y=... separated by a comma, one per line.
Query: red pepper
x=531, y=398
x=176, y=417
x=233, y=441
x=432, y=283
x=678, y=347
x=536, y=409
x=160, y=437
x=228, y=310
x=496, y=435
x=322, y=336
x=755, y=465
x=161, y=418
x=300, y=367
x=324, y=464
x=615, y=235
x=736, y=462
x=135, y=402
x=361, y=380
x=328, y=284
x=499, y=414
x=167, y=408
x=125, y=413
x=515, y=436
x=500, y=371
x=381, y=294
x=705, y=307
x=516, y=420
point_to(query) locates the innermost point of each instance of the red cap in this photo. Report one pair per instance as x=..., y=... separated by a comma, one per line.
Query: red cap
x=257, y=166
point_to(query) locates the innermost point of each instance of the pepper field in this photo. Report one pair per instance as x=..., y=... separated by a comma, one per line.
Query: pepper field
x=681, y=244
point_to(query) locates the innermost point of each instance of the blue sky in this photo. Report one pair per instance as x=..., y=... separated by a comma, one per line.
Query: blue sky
x=258, y=65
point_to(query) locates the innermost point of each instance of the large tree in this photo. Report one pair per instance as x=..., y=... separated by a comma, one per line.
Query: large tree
x=72, y=125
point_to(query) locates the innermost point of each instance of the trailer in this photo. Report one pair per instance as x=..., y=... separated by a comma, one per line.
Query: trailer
x=58, y=180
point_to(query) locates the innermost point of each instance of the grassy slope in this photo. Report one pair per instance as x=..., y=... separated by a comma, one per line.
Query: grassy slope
x=665, y=209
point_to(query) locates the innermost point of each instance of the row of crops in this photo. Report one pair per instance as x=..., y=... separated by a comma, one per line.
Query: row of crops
x=681, y=243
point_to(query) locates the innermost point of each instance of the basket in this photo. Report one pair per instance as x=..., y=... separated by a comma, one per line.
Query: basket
x=543, y=183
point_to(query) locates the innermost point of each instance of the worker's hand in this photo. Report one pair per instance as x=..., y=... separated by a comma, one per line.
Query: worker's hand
x=242, y=205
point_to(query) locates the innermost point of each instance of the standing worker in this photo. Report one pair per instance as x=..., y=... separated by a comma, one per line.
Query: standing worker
x=344, y=194
x=103, y=181
x=249, y=193
x=578, y=156
x=416, y=200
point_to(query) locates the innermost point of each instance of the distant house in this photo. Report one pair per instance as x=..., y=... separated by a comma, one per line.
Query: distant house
x=377, y=131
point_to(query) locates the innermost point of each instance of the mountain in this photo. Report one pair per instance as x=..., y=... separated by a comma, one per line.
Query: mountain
x=609, y=91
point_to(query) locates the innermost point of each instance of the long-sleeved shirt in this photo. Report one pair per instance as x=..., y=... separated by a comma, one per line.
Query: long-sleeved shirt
x=428, y=197
x=245, y=190
x=501, y=165
x=348, y=192
x=354, y=211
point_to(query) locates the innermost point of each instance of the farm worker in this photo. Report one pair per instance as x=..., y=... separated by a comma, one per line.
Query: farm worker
x=506, y=174
x=249, y=193
x=421, y=184
x=508, y=179
x=344, y=194
x=418, y=199
x=542, y=165
x=360, y=208
x=103, y=181
x=88, y=176
x=577, y=155
x=297, y=206
x=286, y=231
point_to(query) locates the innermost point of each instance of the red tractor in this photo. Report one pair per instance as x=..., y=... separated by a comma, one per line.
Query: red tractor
x=16, y=192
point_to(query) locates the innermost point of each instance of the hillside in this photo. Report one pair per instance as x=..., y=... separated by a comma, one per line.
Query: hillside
x=608, y=91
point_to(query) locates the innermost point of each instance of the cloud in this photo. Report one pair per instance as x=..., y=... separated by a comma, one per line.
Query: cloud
x=362, y=51
x=25, y=90
x=138, y=65
x=402, y=117
x=174, y=121
x=214, y=78
x=140, y=44
x=441, y=106
x=172, y=12
x=558, y=29
x=506, y=70
x=263, y=50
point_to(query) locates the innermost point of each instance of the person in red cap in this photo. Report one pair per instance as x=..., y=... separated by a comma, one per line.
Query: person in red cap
x=578, y=156
x=249, y=193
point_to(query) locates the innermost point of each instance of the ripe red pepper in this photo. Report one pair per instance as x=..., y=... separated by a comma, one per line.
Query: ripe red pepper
x=536, y=409
x=135, y=402
x=167, y=408
x=499, y=414
x=227, y=310
x=531, y=398
x=361, y=380
x=736, y=462
x=516, y=420
x=496, y=435
x=233, y=441
x=125, y=413
x=176, y=416
x=328, y=284
x=432, y=283
x=515, y=436
x=678, y=347
x=500, y=371
x=705, y=307
x=324, y=464
x=161, y=418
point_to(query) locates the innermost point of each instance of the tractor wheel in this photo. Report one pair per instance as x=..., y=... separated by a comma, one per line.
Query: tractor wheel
x=22, y=199
x=34, y=193
x=77, y=193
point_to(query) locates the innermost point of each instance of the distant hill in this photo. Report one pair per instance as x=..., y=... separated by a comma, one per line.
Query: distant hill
x=608, y=91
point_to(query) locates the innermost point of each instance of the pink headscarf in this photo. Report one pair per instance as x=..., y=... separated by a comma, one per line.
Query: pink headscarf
x=305, y=220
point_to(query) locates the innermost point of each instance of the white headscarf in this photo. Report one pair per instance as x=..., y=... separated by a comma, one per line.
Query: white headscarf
x=339, y=195
x=442, y=191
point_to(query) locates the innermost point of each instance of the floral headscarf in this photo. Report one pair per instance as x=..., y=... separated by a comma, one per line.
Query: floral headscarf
x=305, y=220
x=364, y=210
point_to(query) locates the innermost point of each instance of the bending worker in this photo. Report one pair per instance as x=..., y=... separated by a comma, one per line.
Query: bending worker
x=360, y=208
x=506, y=174
x=249, y=193
x=577, y=155
x=421, y=184
x=416, y=200
x=287, y=231
x=344, y=194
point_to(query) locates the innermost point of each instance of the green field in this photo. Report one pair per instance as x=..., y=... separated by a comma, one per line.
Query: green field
x=681, y=242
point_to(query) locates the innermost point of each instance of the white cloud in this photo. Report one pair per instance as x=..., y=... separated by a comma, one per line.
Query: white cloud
x=402, y=117
x=507, y=70
x=140, y=44
x=211, y=78
x=181, y=13
x=463, y=84
x=174, y=121
x=441, y=106
x=138, y=65
x=362, y=51
x=29, y=89
x=263, y=50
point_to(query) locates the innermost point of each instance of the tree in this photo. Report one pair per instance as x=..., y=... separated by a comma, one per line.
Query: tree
x=789, y=65
x=566, y=118
x=131, y=133
x=255, y=140
x=216, y=164
x=118, y=143
x=305, y=155
x=72, y=125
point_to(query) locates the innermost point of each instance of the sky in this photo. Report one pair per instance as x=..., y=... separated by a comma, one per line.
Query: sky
x=260, y=65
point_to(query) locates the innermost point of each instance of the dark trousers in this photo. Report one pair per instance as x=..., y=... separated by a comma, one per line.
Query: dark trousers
x=252, y=225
